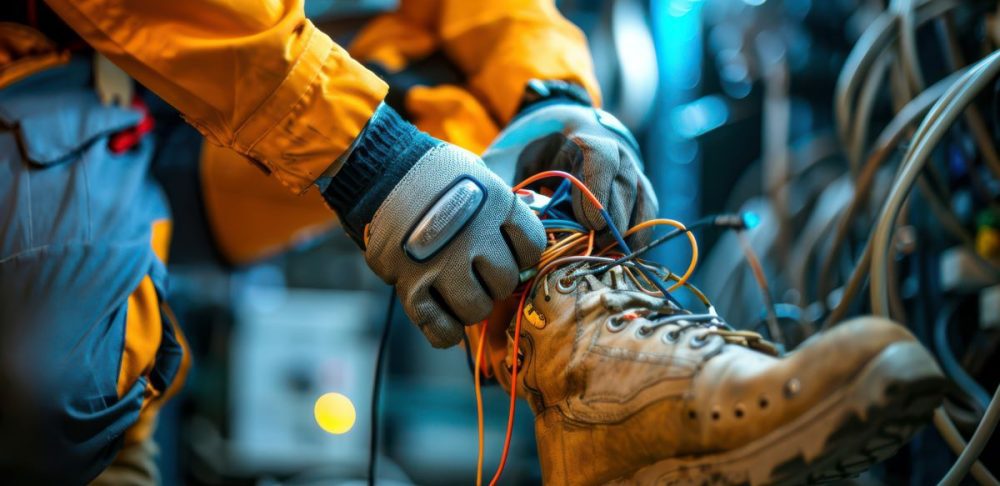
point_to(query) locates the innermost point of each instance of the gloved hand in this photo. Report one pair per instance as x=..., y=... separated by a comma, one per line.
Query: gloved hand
x=434, y=222
x=588, y=143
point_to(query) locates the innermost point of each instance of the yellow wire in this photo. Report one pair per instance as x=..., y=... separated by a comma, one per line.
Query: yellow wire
x=676, y=224
x=561, y=247
x=561, y=244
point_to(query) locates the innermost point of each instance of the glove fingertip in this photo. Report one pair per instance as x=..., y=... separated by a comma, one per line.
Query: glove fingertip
x=442, y=334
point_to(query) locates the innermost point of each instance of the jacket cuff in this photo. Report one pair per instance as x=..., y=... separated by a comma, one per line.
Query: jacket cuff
x=384, y=152
x=540, y=94
x=313, y=116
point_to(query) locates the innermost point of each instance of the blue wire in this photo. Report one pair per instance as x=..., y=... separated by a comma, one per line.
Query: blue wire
x=950, y=363
x=563, y=224
x=558, y=197
x=662, y=287
x=557, y=214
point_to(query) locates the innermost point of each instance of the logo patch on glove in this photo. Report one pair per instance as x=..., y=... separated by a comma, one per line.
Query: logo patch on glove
x=447, y=216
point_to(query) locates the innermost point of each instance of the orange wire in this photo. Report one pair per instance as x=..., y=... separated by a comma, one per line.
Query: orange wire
x=564, y=243
x=691, y=239
x=558, y=173
x=513, y=383
x=479, y=403
x=561, y=247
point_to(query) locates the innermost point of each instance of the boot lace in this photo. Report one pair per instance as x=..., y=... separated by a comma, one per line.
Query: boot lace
x=664, y=314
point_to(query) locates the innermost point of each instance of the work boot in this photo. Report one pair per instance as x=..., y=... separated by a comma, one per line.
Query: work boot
x=628, y=389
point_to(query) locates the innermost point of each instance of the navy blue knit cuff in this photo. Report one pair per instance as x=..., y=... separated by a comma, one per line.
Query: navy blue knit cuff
x=384, y=152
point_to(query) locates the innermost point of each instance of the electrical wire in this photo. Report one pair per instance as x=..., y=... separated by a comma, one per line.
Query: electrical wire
x=873, y=41
x=377, y=387
x=904, y=10
x=563, y=225
x=948, y=361
x=886, y=142
x=866, y=104
x=561, y=194
x=513, y=386
x=565, y=243
x=604, y=214
x=758, y=273
x=551, y=256
x=973, y=117
x=928, y=134
x=468, y=353
x=680, y=227
x=731, y=221
x=479, y=402
x=941, y=116
x=955, y=441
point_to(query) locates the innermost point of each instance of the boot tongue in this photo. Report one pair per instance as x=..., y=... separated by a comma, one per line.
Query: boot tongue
x=750, y=340
x=619, y=301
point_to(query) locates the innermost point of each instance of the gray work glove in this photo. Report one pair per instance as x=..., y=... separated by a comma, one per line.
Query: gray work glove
x=592, y=145
x=441, y=227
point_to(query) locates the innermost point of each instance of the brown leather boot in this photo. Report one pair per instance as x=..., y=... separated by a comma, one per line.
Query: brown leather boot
x=628, y=390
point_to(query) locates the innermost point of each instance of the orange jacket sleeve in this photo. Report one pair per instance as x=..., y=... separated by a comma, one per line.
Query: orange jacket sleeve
x=498, y=44
x=254, y=76
x=501, y=45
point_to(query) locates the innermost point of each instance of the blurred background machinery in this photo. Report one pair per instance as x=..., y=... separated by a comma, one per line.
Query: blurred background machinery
x=860, y=133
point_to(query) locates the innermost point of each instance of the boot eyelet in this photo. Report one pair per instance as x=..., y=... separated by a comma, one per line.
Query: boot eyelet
x=739, y=410
x=670, y=337
x=698, y=341
x=566, y=285
x=616, y=324
x=643, y=332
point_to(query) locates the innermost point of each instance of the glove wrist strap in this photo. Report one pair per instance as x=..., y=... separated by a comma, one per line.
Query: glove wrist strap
x=540, y=92
x=384, y=152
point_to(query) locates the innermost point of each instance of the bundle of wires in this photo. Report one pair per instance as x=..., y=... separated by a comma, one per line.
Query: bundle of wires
x=888, y=47
x=571, y=243
x=931, y=130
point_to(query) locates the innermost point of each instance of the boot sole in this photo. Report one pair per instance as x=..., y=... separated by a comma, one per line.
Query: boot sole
x=862, y=424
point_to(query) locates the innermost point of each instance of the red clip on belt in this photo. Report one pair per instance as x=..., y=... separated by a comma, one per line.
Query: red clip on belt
x=124, y=140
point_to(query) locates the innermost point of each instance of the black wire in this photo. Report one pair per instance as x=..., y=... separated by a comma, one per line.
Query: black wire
x=468, y=354
x=377, y=386
x=653, y=244
x=950, y=363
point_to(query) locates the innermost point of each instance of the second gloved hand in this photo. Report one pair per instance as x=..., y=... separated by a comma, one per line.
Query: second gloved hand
x=434, y=222
x=592, y=145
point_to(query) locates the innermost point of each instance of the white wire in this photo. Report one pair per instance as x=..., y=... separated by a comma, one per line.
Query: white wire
x=876, y=38
x=931, y=130
x=979, y=439
x=908, y=43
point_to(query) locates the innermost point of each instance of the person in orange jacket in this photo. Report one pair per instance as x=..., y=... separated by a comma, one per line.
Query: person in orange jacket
x=259, y=79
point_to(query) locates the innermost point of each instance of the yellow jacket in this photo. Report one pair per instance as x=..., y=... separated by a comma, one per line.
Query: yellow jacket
x=259, y=78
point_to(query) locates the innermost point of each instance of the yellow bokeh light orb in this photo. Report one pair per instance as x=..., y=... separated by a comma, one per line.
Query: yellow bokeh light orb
x=335, y=413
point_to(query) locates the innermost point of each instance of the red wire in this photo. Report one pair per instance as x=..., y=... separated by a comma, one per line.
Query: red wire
x=513, y=383
x=479, y=401
x=558, y=173
x=520, y=312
